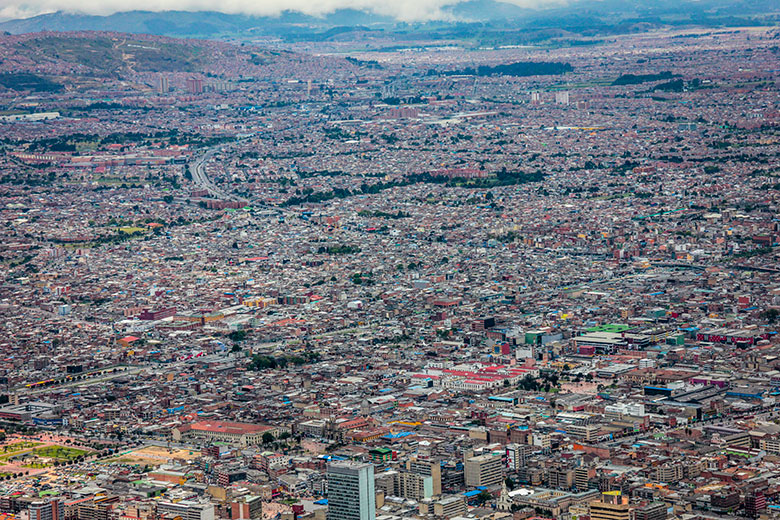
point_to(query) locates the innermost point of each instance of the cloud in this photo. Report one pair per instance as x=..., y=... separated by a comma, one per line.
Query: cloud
x=404, y=10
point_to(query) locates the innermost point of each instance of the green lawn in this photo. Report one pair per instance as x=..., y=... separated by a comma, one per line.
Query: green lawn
x=36, y=465
x=19, y=446
x=45, y=456
x=61, y=453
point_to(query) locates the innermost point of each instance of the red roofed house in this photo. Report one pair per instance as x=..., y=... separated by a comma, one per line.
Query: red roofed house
x=243, y=434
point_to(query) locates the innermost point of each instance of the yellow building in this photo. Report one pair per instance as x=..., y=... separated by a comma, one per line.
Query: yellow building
x=612, y=506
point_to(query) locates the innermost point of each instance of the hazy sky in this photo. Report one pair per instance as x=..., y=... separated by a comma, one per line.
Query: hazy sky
x=407, y=10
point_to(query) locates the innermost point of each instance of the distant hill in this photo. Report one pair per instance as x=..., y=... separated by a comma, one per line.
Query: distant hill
x=103, y=54
x=190, y=24
x=585, y=17
x=114, y=55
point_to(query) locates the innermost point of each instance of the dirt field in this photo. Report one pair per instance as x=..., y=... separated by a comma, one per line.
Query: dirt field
x=154, y=455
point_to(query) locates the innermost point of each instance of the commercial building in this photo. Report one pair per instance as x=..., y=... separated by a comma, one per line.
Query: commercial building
x=612, y=506
x=755, y=503
x=249, y=508
x=47, y=510
x=483, y=470
x=351, y=494
x=188, y=510
x=516, y=456
x=426, y=468
x=652, y=511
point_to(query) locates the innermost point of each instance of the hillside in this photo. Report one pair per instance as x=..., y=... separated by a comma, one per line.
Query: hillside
x=117, y=55
x=206, y=24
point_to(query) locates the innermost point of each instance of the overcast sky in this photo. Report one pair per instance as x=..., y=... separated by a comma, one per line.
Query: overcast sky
x=406, y=10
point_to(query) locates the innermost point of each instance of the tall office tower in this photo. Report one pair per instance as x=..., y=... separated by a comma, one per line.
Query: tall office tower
x=536, y=98
x=426, y=468
x=516, y=456
x=47, y=510
x=483, y=470
x=351, y=494
x=412, y=485
x=612, y=506
x=562, y=98
x=163, y=86
x=195, y=86
x=582, y=476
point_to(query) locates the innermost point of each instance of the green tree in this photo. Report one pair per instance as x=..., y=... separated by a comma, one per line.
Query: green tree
x=237, y=335
x=484, y=496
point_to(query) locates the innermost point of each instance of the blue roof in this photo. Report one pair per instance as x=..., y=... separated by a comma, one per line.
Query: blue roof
x=397, y=435
x=323, y=502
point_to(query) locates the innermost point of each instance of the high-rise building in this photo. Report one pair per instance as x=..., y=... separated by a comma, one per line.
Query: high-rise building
x=582, y=476
x=426, y=468
x=755, y=502
x=612, y=506
x=195, y=85
x=516, y=456
x=163, y=86
x=218, y=85
x=536, y=98
x=412, y=485
x=483, y=470
x=560, y=478
x=351, y=494
x=47, y=510
x=562, y=98
x=247, y=508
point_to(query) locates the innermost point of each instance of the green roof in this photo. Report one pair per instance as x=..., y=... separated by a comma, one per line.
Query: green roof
x=610, y=327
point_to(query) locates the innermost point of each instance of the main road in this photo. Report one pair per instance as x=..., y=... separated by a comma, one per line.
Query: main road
x=199, y=177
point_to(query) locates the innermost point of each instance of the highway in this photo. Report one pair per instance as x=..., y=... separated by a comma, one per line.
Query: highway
x=121, y=371
x=199, y=177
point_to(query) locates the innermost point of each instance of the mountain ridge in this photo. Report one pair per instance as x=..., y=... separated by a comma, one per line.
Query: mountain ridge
x=296, y=25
